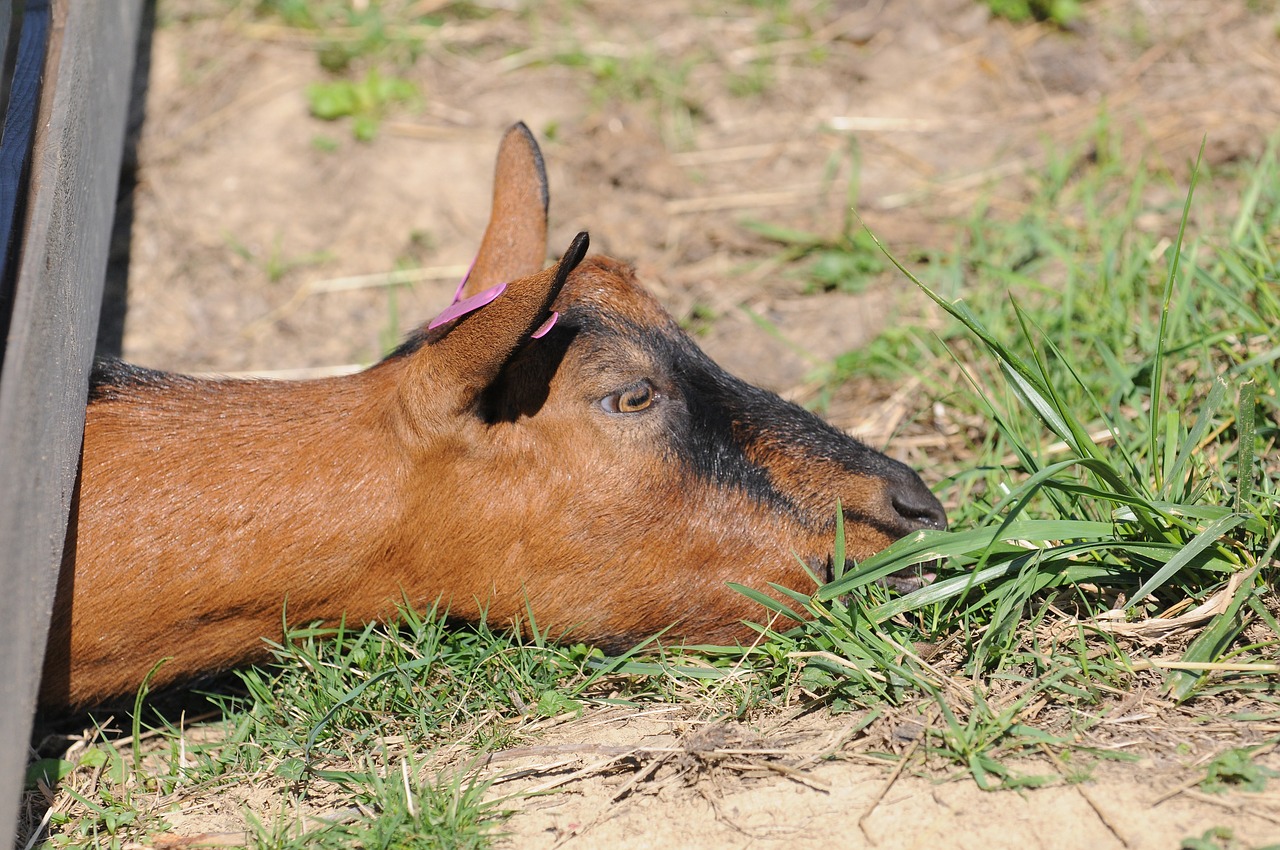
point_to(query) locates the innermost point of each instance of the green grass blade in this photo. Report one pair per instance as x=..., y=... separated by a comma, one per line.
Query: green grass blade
x=1073, y=433
x=1244, y=455
x=1157, y=366
x=354, y=693
x=839, y=551
x=922, y=546
x=1198, y=544
x=1031, y=395
x=764, y=599
x=1249, y=201
x=1193, y=437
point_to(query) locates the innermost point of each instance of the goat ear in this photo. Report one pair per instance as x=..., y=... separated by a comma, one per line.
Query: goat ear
x=468, y=344
x=515, y=242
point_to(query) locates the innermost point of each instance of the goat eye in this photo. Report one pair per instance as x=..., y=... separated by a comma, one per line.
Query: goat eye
x=633, y=399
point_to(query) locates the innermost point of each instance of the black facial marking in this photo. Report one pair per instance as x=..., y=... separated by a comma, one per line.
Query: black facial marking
x=727, y=421
x=756, y=417
x=710, y=441
x=720, y=411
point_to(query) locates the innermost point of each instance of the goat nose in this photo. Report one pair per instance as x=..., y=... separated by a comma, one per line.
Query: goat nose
x=917, y=505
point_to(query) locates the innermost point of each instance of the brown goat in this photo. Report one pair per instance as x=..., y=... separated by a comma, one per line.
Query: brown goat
x=552, y=440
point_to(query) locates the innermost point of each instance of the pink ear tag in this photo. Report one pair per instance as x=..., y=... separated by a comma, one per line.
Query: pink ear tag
x=462, y=284
x=467, y=305
x=545, y=326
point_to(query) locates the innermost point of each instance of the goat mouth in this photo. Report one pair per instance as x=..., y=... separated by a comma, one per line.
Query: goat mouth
x=912, y=578
x=904, y=581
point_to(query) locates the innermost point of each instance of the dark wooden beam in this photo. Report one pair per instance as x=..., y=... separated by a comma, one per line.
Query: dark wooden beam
x=60, y=261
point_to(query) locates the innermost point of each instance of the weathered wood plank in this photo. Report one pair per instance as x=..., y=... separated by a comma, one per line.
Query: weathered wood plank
x=43, y=384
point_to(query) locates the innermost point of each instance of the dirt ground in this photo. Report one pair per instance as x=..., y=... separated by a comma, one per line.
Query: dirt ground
x=262, y=238
x=661, y=778
x=712, y=785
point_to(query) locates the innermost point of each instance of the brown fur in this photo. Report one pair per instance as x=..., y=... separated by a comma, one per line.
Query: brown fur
x=475, y=467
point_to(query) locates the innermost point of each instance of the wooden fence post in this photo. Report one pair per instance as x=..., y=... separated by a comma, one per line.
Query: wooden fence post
x=61, y=257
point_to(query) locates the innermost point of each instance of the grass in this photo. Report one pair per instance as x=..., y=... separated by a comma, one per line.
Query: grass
x=1125, y=465
x=1060, y=12
x=847, y=261
x=365, y=101
x=362, y=50
x=350, y=34
x=274, y=264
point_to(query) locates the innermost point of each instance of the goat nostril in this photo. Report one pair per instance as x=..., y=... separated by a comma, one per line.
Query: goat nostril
x=920, y=507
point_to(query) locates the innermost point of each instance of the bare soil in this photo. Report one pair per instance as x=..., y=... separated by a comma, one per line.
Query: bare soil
x=663, y=778
x=249, y=228
x=695, y=784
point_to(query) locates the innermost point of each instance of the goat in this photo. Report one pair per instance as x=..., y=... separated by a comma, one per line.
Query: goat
x=553, y=439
